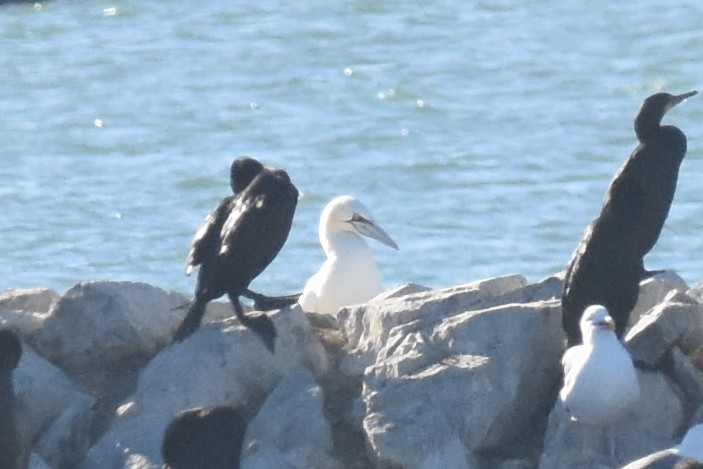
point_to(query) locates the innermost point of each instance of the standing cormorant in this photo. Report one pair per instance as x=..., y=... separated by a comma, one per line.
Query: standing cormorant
x=206, y=242
x=655, y=165
x=204, y=438
x=239, y=239
x=607, y=265
x=11, y=454
x=350, y=274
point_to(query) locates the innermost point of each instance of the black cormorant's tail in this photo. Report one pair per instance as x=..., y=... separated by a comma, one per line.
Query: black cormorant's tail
x=268, y=303
x=259, y=323
x=192, y=320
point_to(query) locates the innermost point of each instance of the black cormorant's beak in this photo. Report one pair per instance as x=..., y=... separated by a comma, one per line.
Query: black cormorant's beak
x=678, y=99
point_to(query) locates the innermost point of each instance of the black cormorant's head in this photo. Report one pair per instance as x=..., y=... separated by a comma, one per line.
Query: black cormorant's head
x=242, y=172
x=10, y=350
x=204, y=437
x=653, y=109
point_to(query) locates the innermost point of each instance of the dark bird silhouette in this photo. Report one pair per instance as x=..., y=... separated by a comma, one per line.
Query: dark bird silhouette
x=237, y=241
x=11, y=454
x=204, y=438
x=206, y=243
x=607, y=265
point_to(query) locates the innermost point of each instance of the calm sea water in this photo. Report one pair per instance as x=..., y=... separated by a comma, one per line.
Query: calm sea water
x=482, y=134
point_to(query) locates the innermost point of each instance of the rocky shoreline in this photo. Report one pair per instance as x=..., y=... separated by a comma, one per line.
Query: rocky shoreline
x=463, y=377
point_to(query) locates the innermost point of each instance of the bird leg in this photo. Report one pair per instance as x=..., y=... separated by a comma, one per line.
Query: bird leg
x=260, y=323
x=192, y=320
x=268, y=303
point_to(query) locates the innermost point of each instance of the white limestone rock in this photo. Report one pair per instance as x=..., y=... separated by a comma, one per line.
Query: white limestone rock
x=366, y=327
x=55, y=414
x=292, y=422
x=220, y=364
x=36, y=462
x=677, y=321
x=34, y=300
x=266, y=458
x=475, y=382
x=654, y=290
x=26, y=309
x=101, y=324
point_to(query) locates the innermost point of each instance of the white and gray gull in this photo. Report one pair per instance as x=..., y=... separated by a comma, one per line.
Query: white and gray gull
x=600, y=381
x=350, y=274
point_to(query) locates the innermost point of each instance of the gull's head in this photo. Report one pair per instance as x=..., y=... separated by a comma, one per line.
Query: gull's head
x=595, y=320
x=345, y=214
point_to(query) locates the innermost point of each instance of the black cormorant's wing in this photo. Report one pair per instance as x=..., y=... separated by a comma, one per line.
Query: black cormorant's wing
x=257, y=226
x=206, y=242
x=623, y=209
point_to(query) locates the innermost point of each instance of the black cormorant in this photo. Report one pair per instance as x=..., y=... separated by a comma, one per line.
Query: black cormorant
x=206, y=243
x=11, y=454
x=239, y=239
x=654, y=164
x=204, y=438
x=607, y=265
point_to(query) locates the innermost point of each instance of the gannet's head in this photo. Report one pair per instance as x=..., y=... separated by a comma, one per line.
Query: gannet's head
x=345, y=214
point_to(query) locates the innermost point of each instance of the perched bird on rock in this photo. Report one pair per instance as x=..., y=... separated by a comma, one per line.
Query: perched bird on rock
x=12, y=455
x=600, y=381
x=204, y=438
x=350, y=274
x=237, y=241
x=607, y=265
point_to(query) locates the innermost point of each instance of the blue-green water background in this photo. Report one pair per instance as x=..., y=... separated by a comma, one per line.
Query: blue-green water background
x=482, y=134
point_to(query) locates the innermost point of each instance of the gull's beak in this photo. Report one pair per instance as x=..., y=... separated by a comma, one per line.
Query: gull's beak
x=369, y=229
x=607, y=323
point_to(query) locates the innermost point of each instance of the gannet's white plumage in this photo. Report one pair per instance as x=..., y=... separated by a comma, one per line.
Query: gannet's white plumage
x=350, y=274
x=600, y=381
x=684, y=455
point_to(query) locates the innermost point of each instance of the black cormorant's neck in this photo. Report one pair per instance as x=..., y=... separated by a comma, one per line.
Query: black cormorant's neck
x=648, y=124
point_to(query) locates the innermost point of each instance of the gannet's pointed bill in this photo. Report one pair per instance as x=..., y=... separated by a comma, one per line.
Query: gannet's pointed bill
x=368, y=228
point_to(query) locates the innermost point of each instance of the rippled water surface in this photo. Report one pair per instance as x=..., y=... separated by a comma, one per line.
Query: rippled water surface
x=482, y=134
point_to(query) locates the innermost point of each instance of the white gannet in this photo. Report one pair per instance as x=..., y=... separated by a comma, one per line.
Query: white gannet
x=687, y=455
x=600, y=381
x=350, y=274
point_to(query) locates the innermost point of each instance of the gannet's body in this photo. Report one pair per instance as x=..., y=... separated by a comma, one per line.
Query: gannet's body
x=350, y=274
